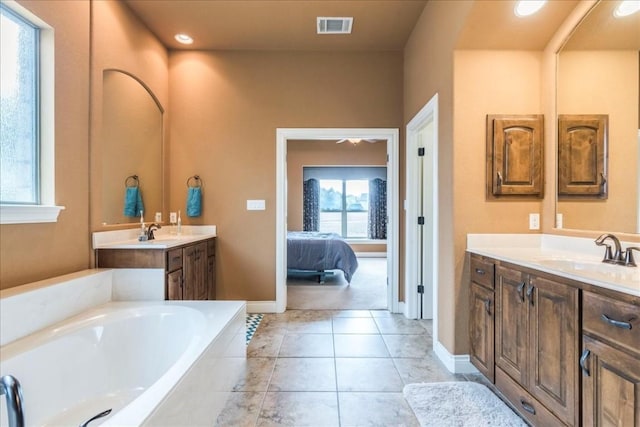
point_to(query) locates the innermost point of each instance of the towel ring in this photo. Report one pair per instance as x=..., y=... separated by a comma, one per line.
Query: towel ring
x=197, y=180
x=134, y=178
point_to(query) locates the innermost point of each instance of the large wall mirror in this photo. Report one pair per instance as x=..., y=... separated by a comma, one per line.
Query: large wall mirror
x=131, y=145
x=599, y=73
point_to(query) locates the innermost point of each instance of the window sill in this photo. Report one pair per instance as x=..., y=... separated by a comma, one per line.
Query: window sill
x=29, y=214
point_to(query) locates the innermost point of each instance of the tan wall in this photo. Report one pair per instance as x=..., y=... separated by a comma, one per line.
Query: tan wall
x=226, y=107
x=327, y=153
x=120, y=41
x=428, y=70
x=30, y=252
x=510, y=83
x=605, y=82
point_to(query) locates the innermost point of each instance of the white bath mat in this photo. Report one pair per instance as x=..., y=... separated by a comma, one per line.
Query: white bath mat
x=459, y=404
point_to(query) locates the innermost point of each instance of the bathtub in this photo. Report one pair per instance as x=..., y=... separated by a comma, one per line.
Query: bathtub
x=143, y=360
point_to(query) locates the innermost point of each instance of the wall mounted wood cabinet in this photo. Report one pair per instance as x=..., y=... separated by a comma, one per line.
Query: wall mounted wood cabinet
x=582, y=156
x=514, y=155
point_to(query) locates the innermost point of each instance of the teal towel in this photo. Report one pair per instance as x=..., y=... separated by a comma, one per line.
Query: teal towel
x=133, y=202
x=194, y=201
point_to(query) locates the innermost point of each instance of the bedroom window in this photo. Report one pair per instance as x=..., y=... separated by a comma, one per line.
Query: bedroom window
x=344, y=207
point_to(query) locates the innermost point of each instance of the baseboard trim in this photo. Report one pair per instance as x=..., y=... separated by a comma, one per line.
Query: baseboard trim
x=457, y=364
x=371, y=254
x=261, y=307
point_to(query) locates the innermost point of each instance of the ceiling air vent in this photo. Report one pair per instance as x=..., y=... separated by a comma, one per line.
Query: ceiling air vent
x=334, y=25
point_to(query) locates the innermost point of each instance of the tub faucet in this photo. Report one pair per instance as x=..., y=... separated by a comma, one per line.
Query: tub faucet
x=617, y=257
x=10, y=387
x=151, y=229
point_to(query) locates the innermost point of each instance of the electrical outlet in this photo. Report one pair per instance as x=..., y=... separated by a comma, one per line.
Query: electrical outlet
x=173, y=217
x=255, y=205
x=559, y=220
x=158, y=216
x=534, y=221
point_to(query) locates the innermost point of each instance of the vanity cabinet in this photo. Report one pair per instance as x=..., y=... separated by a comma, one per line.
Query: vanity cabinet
x=610, y=362
x=537, y=342
x=190, y=268
x=481, y=315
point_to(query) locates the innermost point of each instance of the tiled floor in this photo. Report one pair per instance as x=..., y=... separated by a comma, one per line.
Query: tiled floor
x=333, y=368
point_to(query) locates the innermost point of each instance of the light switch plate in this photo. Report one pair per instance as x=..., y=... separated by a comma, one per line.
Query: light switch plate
x=255, y=205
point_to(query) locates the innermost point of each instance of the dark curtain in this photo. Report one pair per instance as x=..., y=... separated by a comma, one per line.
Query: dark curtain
x=377, y=209
x=311, y=205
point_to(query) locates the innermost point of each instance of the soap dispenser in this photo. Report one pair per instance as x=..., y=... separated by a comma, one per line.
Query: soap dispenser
x=143, y=231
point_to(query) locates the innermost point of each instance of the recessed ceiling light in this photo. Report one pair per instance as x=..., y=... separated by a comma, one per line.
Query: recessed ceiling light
x=528, y=7
x=626, y=8
x=183, y=38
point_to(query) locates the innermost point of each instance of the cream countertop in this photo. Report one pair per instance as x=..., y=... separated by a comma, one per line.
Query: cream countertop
x=128, y=239
x=575, y=258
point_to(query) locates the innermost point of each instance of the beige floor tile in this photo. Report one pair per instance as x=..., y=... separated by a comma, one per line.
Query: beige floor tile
x=311, y=409
x=357, y=345
x=352, y=313
x=366, y=374
x=354, y=325
x=242, y=410
x=400, y=325
x=264, y=345
x=424, y=370
x=375, y=409
x=408, y=345
x=307, y=345
x=257, y=373
x=380, y=313
x=303, y=374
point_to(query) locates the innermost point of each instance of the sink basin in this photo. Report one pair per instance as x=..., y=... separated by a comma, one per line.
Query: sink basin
x=596, y=268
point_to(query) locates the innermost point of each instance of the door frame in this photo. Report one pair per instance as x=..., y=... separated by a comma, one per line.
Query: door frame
x=391, y=135
x=428, y=114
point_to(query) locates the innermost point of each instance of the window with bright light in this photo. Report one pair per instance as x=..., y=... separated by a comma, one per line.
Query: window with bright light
x=27, y=110
x=344, y=207
x=20, y=106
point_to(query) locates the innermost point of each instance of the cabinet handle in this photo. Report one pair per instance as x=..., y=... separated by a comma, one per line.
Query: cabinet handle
x=530, y=294
x=480, y=271
x=616, y=323
x=604, y=179
x=521, y=291
x=181, y=281
x=527, y=406
x=487, y=306
x=499, y=182
x=583, y=363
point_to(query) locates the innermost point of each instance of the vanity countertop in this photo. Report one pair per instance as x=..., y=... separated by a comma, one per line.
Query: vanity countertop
x=127, y=239
x=570, y=257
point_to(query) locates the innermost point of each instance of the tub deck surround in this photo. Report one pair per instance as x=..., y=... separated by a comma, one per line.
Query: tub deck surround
x=164, y=239
x=574, y=258
x=77, y=353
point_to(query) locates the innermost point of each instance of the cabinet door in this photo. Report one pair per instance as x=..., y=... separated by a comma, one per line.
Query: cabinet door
x=195, y=269
x=554, y=347
x=610, y=386
x=514, y=146
x=512, y=328
x=211, y=277
x=174, y=285
x=481, y=330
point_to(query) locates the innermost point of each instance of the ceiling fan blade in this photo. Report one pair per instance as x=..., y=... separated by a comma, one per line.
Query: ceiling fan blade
x=341, y=141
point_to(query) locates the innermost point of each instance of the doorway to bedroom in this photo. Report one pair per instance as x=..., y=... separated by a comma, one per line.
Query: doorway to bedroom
x=337, y=184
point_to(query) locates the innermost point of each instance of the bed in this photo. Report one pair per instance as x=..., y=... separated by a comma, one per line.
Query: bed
x=315, y=253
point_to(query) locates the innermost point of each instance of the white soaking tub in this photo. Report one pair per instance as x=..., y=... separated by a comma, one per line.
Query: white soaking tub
x=126, y=356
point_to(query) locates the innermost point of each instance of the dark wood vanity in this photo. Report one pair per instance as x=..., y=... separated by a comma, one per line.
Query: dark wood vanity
x=190, y=269
x=563, y=352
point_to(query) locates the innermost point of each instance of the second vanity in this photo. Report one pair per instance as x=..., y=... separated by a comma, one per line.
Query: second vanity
x=555, y=329
x=187, y=260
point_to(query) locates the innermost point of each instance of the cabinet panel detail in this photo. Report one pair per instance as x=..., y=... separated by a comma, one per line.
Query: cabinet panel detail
x=610, y=386
x=481, y=330
x=514, y=155
x=582, y=156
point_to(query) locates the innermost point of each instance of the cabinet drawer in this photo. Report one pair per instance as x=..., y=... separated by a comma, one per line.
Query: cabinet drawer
x=211, y=247
x=615, y=321
x=174, y=260
x=527, y=406
x=482, y=271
